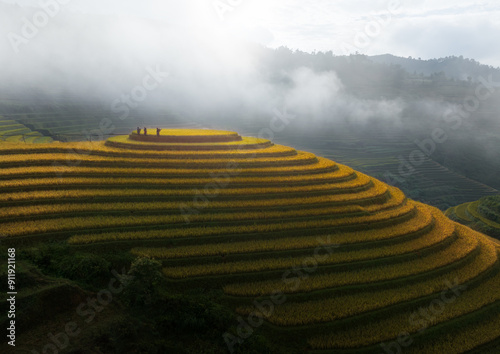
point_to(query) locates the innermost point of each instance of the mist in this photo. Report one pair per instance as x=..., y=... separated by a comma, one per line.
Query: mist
x=206, y=71
x=203, y=69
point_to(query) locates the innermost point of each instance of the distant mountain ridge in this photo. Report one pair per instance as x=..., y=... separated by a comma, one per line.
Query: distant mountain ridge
x=458, y=68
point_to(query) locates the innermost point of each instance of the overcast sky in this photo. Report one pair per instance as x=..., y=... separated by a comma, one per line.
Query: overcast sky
x=427, y=29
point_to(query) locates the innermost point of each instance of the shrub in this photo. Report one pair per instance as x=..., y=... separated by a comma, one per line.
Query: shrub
x=146, y=280
x=47, y=255
x=87, y=268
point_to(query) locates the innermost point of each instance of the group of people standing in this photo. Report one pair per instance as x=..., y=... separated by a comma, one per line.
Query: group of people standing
x=158, y=130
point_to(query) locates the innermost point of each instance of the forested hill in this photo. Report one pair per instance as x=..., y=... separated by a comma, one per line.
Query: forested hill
x=458, y=68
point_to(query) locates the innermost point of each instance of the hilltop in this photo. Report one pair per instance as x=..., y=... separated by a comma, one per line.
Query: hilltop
x=236, y=243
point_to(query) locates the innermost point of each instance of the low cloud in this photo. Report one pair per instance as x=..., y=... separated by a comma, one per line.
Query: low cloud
x=212, y=74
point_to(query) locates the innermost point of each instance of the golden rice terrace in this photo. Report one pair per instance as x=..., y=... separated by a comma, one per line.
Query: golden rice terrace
x=335, y=260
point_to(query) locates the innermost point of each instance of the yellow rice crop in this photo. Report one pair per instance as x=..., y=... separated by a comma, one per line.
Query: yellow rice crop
x=272, y=245
x=330, y=309
x=466, y=338
x=361, y=181
x=378, y=189
x=442, y=230
x=60, y=170
x=43, y=209
x=390, y=327
x=206, y=231
x=69, y=181
x=85, y=148
x=256, y=148
x=27, y=227
x=193, y=132
x=458, y=250
x=397, y=198
x=300, y=158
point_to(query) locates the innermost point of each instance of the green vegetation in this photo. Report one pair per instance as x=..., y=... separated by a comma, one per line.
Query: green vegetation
x=14, y=132
x=482, y=215
x=197, y=242
x=145, y=317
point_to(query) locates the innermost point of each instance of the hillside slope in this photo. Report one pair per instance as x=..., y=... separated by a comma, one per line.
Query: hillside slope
x=482, y=215
x=14, y=132
x=315, y=256
x=458, y=68
x=384, y=156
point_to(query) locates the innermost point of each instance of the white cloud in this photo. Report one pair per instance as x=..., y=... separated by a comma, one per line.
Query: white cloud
x=421, y=28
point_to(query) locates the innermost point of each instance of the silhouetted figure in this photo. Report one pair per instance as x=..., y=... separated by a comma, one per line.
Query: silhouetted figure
x=145, y=131
x=138, y=131
x=158, y=130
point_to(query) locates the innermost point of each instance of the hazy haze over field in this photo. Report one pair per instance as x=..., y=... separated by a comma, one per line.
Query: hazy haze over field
x=418, y=28
x=101, y=49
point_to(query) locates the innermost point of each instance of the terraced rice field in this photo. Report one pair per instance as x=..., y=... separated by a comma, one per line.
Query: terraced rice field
x=482, y=215
x=68, y=118
x=14, y=132
x=381, y=155
x=331, y=259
